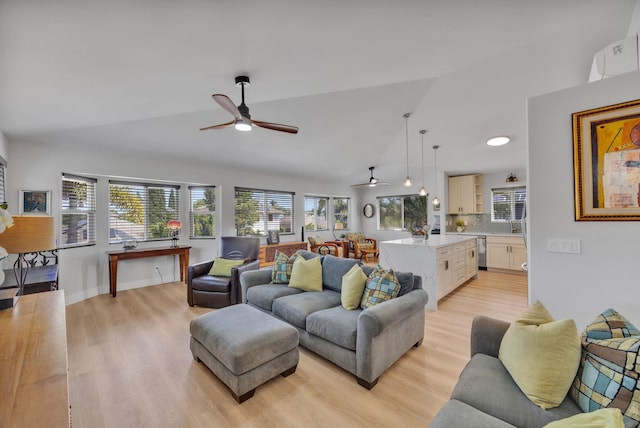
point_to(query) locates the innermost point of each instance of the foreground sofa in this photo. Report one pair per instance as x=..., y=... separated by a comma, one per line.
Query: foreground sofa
x=486, y=396
x=363, y=342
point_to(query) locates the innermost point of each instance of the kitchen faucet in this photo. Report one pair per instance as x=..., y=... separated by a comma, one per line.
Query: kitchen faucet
x=512, y=226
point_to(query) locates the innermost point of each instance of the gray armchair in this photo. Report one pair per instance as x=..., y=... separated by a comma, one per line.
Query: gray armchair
x=220, y=291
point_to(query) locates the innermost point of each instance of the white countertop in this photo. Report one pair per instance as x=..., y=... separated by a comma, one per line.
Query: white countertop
x=517, y=234
x=434, y=241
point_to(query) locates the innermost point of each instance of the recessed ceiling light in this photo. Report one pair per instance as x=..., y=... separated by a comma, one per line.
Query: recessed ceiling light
x=498, y=141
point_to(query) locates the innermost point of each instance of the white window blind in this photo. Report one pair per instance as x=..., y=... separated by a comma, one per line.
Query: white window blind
x=341, y=213
x=507, y=203
x=257, y=211
x=202, y=211
x=140, y=211
x=78, y=211
x=315, y=213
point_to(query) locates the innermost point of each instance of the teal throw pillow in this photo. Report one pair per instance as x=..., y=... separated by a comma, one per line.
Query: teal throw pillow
x=282, y=267
x=382, y=285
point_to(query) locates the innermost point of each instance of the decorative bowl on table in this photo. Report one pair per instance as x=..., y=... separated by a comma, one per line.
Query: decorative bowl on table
x=420, y=233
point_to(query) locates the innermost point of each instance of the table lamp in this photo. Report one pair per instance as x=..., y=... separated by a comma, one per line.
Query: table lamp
x=29, y=234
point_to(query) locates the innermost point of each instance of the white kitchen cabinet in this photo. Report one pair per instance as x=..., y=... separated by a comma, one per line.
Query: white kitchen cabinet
x=442, y=261
x=471, y=256
x=506, y=252
x=465, y=194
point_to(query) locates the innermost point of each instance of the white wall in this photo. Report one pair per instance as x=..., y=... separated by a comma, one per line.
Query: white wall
x=605, y=273
x=84, y=271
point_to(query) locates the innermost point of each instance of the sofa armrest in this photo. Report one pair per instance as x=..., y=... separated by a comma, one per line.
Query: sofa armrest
x=199, y=269
x=251, y=278
x=376, y=319
x=486, y=335
x=236, y=271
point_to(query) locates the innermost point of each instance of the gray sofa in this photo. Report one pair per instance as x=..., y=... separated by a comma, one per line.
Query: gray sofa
x=363, y=342
x=486, y=396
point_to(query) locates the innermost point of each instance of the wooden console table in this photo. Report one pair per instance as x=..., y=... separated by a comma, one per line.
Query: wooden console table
x=138, y=253
x=267, y=252
x=33, y=351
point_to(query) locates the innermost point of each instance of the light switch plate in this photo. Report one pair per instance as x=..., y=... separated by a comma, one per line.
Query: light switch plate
x=559, y=245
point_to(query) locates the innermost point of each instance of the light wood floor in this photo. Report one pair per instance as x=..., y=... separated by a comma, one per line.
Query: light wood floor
x=130, y=366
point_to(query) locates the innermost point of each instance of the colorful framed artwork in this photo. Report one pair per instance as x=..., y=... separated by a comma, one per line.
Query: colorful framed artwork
x=35, y=202
x=606, y=163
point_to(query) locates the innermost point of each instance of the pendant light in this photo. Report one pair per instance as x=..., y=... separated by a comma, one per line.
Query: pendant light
x=407, y=181
x=436, y=201
x=422, y=191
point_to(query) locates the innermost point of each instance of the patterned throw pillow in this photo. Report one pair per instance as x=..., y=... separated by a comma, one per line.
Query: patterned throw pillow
x=610, y=367
x=382, y=285
x=282, y=266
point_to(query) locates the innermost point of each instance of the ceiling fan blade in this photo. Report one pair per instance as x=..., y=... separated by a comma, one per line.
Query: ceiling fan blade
x=276, y=126
x=226, y=103
x=222, y=125
x=379, y=183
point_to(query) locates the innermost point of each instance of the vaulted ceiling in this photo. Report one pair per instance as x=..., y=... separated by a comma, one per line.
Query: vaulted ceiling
x=137, y=77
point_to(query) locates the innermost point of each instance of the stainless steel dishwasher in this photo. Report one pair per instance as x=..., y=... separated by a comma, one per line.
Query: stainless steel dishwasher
x=482, y=252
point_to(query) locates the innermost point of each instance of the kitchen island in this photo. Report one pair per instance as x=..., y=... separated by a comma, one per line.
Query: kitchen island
x=444, y=261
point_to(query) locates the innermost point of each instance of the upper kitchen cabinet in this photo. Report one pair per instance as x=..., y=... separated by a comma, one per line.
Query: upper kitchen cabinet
x=465, y=194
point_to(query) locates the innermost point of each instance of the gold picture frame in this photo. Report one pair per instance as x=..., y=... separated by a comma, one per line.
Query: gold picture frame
x=606, y=163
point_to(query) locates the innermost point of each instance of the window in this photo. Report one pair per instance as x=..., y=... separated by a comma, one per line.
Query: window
x=78, y=211
x=341, y=210
x=257, y=211
x=140, y=211
x=315, y=213
x=507, y=203
x=402, y=212
x=202, y=210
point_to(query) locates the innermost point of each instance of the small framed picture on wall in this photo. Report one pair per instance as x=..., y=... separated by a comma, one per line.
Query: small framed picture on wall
x=36, y=202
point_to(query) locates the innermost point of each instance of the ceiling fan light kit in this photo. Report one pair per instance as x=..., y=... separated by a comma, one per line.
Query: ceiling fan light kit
x=498, y=141
x=407, y=181
x=373, y=182
x=242, y=119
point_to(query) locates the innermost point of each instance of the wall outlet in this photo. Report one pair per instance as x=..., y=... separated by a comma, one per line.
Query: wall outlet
x=466, y=223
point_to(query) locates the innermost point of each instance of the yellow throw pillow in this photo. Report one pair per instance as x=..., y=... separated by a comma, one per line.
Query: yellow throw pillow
x=352, y=287
x=609, y=418
x=542, y=355
x=306, y=274
x=222, y=267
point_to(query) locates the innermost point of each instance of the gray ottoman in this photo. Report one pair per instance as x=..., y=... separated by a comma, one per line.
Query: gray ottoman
x=244, y=347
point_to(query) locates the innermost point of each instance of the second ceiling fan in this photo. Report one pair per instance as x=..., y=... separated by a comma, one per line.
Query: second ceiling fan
x=242, y=119
x=373, y=182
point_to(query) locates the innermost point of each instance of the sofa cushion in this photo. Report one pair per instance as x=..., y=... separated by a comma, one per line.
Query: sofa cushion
x=334, y=268
x=353, y=283
x=486, y=385
x=306, y=274
x=336, y=325
x=382, y=285
x=296, y=308
x=222, y=266
x=609, y=367
x=282, y=266
x=542, y=355
x=216, y=284
x=264, y=295
x=607, y=418
x=458, y=414
x=406, y=282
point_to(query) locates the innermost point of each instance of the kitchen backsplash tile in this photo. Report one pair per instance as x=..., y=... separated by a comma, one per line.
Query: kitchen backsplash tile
x=480, y=223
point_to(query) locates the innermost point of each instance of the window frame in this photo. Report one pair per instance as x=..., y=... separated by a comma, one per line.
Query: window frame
x=146, y=186
x=266, y=197
x=316, y=201
x=515, y=211
x=192, y=214
x=406, y=222
x=88, y=211
x=345, y=215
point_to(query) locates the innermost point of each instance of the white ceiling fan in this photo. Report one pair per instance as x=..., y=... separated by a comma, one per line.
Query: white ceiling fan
x=373, y=182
